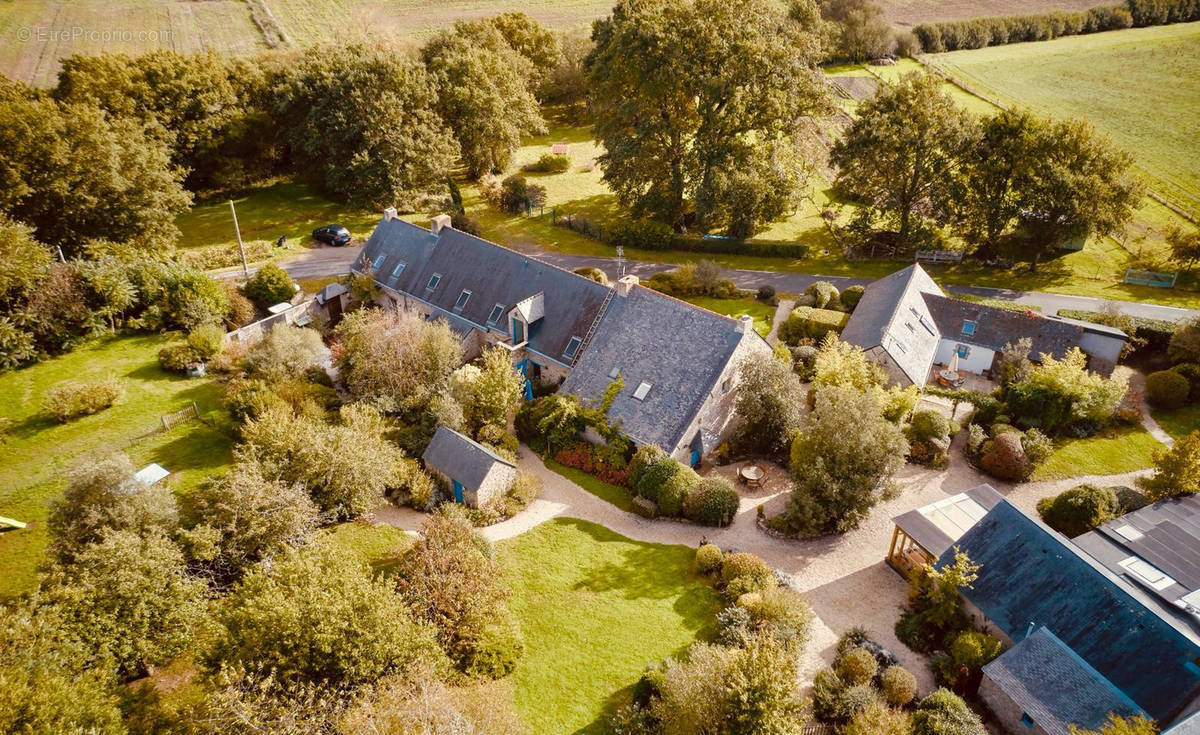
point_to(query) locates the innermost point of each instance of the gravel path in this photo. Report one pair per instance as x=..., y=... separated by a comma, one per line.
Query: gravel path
x=782, y=312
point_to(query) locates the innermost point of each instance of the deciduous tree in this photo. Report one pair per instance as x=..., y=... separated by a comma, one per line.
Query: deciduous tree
x=1177, y=470
x=860, y=30
x=770, y=399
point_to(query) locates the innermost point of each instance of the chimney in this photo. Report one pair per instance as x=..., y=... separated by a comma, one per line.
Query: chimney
x=438, y=223
x=746, y=324
x=625, y=284
x=389, y=214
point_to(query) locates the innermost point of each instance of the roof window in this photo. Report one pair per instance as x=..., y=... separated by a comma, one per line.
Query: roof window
x=572, y=348
x=434, y=280
x=642, y=391
x=378, y=262
x=615, y=372
x=497, y=312
x=463, y=298
x=1146, y=573
x=398, y=269
x=969, y=328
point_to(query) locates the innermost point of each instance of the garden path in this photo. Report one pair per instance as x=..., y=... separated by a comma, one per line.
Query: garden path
x=781, y=314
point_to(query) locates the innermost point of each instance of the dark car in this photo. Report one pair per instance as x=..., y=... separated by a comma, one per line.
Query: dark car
x=332, y=235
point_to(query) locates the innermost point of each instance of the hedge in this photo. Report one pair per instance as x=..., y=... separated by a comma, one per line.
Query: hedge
x=1000, y=30
x=805, y=321
x=651, y=235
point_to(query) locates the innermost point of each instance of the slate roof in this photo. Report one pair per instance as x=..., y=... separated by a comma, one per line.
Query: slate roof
x=996, y=327
x=461, y=458
x=331, y=291
x=892, y=315
x=1186, y=726
x=678, y=348
x=928, y=535
x=1029, y=574
x=494, y=275
x=1056, y=687
x=1167, y=537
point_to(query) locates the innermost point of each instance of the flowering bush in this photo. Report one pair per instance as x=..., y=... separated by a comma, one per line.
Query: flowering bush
x=597, y=460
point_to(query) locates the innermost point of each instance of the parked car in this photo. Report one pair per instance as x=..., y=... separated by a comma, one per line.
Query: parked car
x=336, y=235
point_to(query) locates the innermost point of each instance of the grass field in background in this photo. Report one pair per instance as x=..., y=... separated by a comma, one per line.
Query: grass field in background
x=763, y=314
x=1139, y=86
x=595, y=609
x=37, y=454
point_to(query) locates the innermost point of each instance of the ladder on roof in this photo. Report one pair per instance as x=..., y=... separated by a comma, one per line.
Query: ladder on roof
x=591, y=332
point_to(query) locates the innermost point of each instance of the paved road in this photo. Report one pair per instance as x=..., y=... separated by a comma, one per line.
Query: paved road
x=336, y=261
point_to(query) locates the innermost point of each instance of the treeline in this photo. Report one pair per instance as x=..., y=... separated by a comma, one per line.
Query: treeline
x=999, y=30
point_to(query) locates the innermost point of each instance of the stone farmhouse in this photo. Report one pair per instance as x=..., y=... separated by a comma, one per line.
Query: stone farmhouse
x=679, y=363
x=907, y=324
x=1106, y=622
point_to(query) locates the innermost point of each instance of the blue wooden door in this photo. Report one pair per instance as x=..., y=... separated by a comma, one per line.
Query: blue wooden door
x=695, y=457
x=458, y=490
x=518, y=331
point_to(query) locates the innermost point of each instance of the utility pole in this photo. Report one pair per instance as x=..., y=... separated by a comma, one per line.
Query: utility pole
x=241, y=248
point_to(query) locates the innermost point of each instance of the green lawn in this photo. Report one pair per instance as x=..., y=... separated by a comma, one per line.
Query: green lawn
x=622, y=497
x=595, y=609
x=764, y=314
x=37, y=453
x=1139, y=86
x=1111, y=452
x=379, y=546
x=1180, y=422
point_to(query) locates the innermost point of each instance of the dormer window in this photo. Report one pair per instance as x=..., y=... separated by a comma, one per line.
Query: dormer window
x=398, y=269
x=497, y=312
x=434, y=280
x=969, y=328
x=642, y=391
x=572, y=348
x=378, y=262
x=463, y=298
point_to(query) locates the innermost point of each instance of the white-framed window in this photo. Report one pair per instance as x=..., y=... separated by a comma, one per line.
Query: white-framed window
x=463, y=298
x=572, y=348
x=642, y=391
x=396, y=271
x=378, y=262
x=1146, y=572
x=434, y=280
x=928, y=327
x=968, y=328
x=497, y=312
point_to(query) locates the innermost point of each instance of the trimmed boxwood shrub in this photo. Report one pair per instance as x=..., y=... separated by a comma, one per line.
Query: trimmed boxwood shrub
x=675, y=490
x=709, y=558
x=811, y=323
x=1167, y=389
x=549, y=163
x=856, y=666
x=645, y=456
x=851, y=296
x=899, y=686
x=656, y=476
x=824, y=294
x=712, y=502
x=1004, y=457
x=1076, y=511
x=269, y=286
x=826, y=693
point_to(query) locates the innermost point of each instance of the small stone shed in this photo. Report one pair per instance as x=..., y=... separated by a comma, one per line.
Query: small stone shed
x=475, y=474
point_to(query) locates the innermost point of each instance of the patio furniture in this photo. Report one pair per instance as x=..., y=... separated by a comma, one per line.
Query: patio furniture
x=752, y=475
x=950, y=378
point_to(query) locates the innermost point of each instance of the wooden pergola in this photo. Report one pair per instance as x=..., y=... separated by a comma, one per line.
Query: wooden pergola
x=905, y=554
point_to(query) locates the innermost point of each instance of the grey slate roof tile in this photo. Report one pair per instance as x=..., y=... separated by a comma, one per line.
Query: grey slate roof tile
x=1056, y=687
x=996, y=327
x=460, y=457
x=892, y=314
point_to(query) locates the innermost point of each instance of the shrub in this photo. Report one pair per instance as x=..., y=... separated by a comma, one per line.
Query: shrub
x=597, y=460
x=645, y=456
x=518, y=196
x=177, y=357
x=743, y=572
x=709, y=558
x=549, y=163
x=969, y=650
x=765, y=293
x=1004, y=457
x=673, y=492
x=945, y=713
x=1176, y=471
x=1076, y=511
x=806, y=322
x=592, y=273
x=208, y=340
x=879, y=719
x=461, y=222
x=851, y=296
x=899, y=686
x=926, y=425
x=824, y=294
x=241, y=309
x=269, y=286
x=780, y=611
x=1037, y=447
x=71, y=399
x=826, y=693
x=856, y=699
x=642, y=234
x=805, y=358
x=856, y=667
x=734, y=626
x=712, y=502
x=1167, y=389
x=1191, y=372
x=656, y=476
x=287, y=351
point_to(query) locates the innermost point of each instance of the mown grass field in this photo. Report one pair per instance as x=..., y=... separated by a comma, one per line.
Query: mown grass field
x=1179, y=422
x=1139, y=86
x=595, y=608
x=35, y=36
x=36, y=454
x=1111, y=452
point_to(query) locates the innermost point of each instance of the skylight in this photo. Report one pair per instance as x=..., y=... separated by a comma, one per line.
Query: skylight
x=1147, y=573
x=969, y=328
x=928, y=327
x=462, y=300
x=433, y=281
x=378, y=263
x=642, y=391
x=1128, y=532
x=398, y=269
x=497, y=310
x=572, y=348
x=614, y=372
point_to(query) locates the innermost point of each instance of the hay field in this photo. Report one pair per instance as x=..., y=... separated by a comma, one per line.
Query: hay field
x=35, y=36
x=1139, y=86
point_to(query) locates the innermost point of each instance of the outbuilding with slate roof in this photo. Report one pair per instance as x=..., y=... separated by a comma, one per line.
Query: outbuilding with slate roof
x=474, y=474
